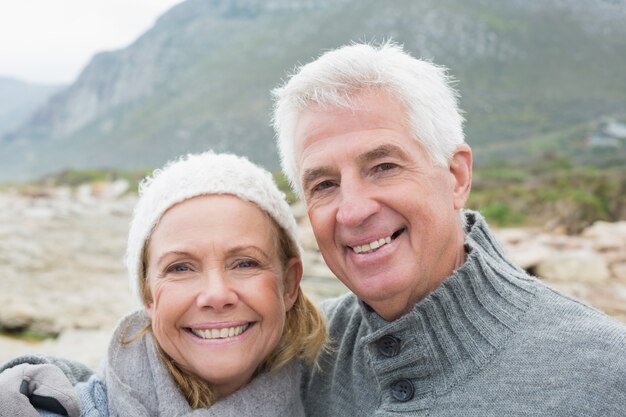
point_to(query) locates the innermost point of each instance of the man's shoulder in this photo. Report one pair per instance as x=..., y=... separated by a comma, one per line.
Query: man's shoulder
x=577, y=311
x=341, y=310
x=572, y=322
x=584, y=344
x=341, y=305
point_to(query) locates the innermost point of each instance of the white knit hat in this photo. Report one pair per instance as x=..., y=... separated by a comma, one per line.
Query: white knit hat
x=194, y=175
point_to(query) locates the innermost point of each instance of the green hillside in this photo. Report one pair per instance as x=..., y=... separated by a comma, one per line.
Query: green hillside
x=535, y=79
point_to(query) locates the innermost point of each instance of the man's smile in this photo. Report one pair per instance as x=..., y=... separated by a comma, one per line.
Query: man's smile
x=375, y=244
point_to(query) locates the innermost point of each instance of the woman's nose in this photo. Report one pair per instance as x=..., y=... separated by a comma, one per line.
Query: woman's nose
x=216, y=292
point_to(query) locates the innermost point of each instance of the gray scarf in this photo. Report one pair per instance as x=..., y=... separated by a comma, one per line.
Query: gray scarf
x=139, y=384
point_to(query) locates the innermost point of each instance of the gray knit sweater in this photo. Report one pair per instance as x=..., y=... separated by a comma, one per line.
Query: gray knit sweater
x=490, y=341
x=135, y=382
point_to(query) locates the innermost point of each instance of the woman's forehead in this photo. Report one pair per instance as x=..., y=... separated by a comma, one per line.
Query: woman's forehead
x=215, y=222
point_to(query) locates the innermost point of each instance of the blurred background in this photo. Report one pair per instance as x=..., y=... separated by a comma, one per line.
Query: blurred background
x=95, y=94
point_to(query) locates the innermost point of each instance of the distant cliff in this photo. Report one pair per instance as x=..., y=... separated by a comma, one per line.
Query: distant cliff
x=18, y=99
x=538, y=71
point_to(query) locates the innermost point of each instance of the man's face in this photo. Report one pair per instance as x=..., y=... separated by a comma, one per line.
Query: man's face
x=385, y=218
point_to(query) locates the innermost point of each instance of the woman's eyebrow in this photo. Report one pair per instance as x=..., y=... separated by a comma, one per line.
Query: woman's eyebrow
x=171, y=253
x=248, y=248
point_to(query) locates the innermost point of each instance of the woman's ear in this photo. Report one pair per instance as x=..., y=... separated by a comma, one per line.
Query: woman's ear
x=146, y=296
x=461, y=170
x=149, y=310
x=291, y=282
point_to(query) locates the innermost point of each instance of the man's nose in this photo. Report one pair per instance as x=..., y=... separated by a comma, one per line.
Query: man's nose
x=357, y=202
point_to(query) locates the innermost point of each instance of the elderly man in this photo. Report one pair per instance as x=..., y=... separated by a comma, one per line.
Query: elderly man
x=440, y=322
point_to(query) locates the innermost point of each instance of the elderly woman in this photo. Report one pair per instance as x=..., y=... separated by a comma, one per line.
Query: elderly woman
x=213, y=258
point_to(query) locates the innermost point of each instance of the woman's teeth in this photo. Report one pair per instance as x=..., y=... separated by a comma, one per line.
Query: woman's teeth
x=220, y=333
x=372, y=246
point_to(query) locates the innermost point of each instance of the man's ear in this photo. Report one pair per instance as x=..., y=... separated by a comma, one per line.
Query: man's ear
x=461, y=169
x=291, y=282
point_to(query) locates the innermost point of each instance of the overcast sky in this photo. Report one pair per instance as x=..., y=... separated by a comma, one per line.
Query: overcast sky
x=50, y=41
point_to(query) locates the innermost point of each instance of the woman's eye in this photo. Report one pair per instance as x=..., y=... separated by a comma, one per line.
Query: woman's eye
x=247, y=263
x=178, y=268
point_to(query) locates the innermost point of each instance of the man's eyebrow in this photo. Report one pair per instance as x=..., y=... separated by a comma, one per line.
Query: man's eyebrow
x=382, y=152
x=312, y=174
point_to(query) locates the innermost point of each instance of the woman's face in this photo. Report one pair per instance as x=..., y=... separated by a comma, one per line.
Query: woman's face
x=219, y=290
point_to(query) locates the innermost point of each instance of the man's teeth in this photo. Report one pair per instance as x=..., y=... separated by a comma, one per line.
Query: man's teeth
x=220, y=333
x=369, y=247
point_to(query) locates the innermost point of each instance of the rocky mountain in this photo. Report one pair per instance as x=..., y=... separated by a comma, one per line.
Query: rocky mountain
x=535, y=77
x=19, y=99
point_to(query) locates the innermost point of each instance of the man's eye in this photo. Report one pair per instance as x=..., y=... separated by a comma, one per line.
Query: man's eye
x=385, y=166
x=324, y=185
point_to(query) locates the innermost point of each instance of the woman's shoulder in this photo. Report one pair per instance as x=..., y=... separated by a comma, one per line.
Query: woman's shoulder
x=93, y=397
x=269, y=394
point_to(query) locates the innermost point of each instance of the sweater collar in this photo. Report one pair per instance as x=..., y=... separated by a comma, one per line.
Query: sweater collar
x=455, y=329
x=139, y=384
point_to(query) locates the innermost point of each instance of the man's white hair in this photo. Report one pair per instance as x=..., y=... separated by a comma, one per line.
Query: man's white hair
x=422, y=88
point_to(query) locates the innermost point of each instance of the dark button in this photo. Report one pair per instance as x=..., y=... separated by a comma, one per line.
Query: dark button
x=402, y=390
x=388, y=346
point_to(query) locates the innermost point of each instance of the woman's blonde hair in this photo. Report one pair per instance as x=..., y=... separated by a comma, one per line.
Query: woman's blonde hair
x=304, y=334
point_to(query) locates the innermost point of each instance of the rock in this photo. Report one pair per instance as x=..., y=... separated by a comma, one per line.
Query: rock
x=319, y=270
x=602, y=228
x=61, y=262
x=619, y=271
x=84, y=193
x=606, y=236
x=85, y=346
x=514, y=236
x=609, y=298
x=562, y=242
x=14, y=319
x=529, y=255
x=39, y=212
x=575, y=266
x=320, y=290
x=110, y=190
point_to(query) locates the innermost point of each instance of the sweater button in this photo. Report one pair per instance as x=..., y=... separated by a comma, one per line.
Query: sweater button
x=388, y=346
x=402, y=390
